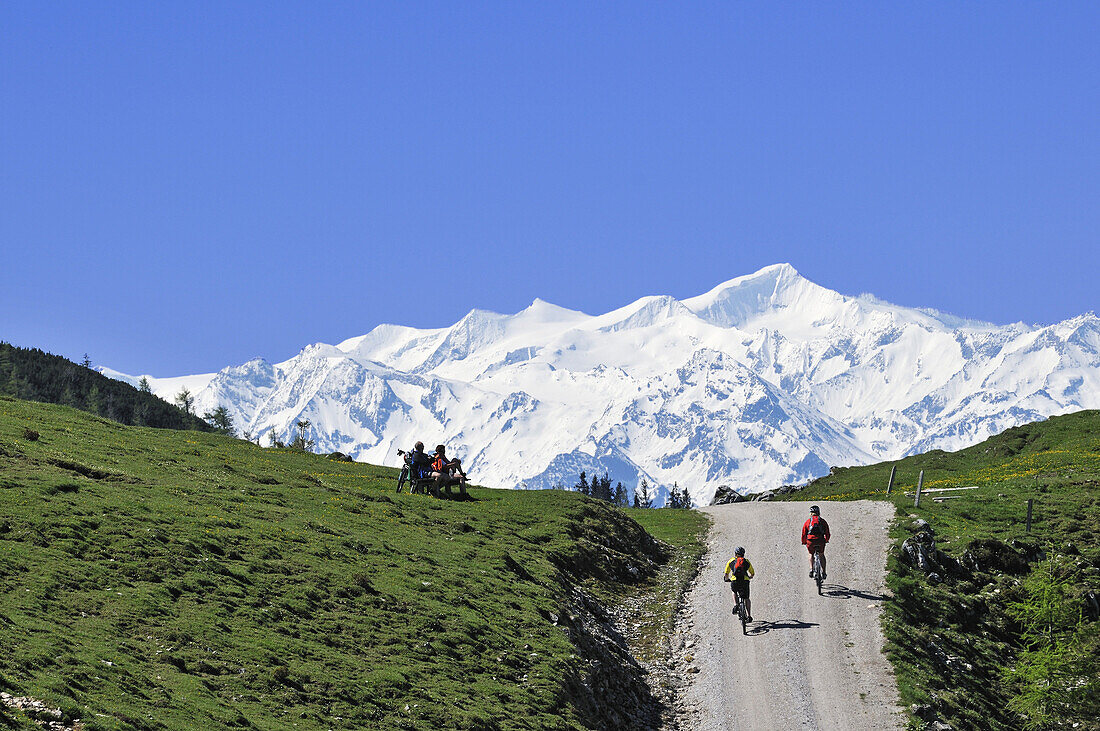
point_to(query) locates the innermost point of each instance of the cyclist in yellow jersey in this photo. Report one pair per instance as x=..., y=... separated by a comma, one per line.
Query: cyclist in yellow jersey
x=738, y=572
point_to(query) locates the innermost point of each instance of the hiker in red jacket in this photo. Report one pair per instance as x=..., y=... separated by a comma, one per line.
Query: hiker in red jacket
x=815, y=534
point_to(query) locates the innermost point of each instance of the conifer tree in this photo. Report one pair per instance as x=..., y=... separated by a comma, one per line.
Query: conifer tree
x=582, y=486
x=685, y=499
x=70, y=398
x=601, y=488
x=141, y=413
x=185, y=400
x=92, y=402
x=620, y=495
x=300, y=441
x=673, y=500
x=143, y=385
x=221, y=420
x=678, y=498
x=1056, y=675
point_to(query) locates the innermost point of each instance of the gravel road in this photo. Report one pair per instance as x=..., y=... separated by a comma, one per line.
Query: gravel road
x=809, y=661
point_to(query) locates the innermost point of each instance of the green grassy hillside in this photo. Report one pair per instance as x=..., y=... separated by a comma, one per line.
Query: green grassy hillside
x=173, y=579
x=999, y=632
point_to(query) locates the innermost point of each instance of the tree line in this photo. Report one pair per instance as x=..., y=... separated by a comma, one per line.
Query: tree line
x=34, y=375
x=600, y=488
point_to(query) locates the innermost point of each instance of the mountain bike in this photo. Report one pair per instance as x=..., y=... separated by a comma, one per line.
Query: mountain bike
x=819, y=573
x=742, y=614
x=406, y=471
x=741, y=611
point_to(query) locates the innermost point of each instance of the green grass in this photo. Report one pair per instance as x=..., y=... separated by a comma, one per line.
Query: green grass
x=159, y=579
x=658, y=601
x=951, y=642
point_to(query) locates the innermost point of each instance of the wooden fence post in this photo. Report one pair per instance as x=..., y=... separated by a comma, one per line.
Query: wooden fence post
x=1029, y=501
x=920, y=483
x=890, y=484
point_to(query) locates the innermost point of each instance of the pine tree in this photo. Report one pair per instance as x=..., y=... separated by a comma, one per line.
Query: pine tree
x=69, y=398
x=93, y=402
x=221, y=420
x=1056, y=676
x=143, y=385
x=582, y=486
x=673, y=500
x=643, y=501
x=141, y=413
x=678, y=498
x=185, y=400
x=601, y=488
x=685, y=499
x=620, y=495
x=87, y=362
x=300, y=441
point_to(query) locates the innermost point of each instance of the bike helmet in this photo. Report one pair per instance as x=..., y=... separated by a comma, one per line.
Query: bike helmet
x=814, y=510
x=739, y=551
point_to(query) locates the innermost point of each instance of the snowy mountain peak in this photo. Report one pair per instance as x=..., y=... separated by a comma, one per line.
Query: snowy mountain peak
x=646, y=312
x=542, y=311
x=736, y=303
x=767, y=379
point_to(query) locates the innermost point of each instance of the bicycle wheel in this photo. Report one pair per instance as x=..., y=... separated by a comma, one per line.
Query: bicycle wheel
x=743, y=614
x=817, y=570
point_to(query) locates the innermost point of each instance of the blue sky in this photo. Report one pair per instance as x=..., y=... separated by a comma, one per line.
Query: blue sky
x=185, y=186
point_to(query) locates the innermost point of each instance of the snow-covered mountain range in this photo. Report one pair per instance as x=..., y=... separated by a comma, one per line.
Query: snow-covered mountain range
x=768, y=379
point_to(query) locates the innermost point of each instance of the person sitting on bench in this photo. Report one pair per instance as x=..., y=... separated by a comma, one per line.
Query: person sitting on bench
x=420, y=467
x=447, y=472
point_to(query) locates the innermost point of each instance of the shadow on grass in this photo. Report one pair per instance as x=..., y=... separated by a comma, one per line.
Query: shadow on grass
x=839, y=591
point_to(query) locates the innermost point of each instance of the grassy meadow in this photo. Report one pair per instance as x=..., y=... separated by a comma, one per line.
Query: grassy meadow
x=157, y=579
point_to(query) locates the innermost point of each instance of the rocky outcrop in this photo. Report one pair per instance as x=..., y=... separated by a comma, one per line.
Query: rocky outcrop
x=771, y=494
x=985, y=555
x=611, y=691
x=725, y=495
x=920, y=551
x=43, y=715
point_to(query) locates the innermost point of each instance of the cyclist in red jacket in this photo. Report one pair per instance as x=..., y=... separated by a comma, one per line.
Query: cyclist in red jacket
x=815, y=534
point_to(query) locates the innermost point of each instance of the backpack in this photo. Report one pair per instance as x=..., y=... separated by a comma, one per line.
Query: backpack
x=438, y=465
x=740, y=569
x=815, y=530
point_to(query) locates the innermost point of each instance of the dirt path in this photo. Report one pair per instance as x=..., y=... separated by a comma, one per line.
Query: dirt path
x=809, y=662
